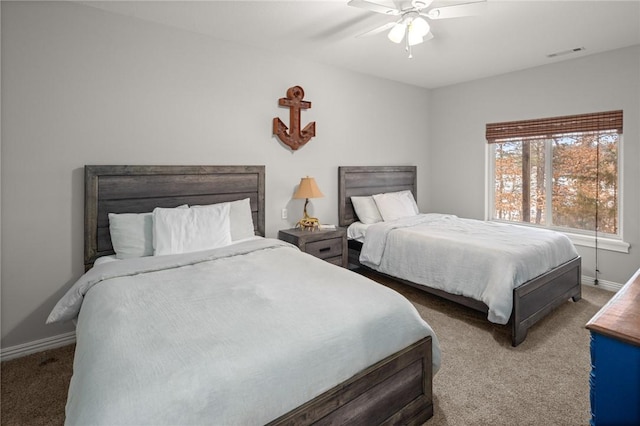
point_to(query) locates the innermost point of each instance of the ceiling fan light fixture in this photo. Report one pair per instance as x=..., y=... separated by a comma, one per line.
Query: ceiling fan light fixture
x=419, y=26
x=397, y=32
x=413, y=39
x=413, y=26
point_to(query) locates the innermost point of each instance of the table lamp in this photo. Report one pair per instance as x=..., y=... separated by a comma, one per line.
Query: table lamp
x=308, y=189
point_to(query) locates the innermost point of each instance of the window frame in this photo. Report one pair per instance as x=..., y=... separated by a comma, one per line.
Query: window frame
x=585, y=238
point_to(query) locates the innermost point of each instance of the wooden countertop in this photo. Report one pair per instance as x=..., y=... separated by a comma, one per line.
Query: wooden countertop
x=620, y=317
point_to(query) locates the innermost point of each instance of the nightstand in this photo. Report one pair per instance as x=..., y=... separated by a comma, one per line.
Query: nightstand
x=327, y=244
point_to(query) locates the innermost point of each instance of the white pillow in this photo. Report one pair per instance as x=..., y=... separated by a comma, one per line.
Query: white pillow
x=240, y=219
x=187, y=230
x=366, y=209
x=132, y=234
x=396, y=205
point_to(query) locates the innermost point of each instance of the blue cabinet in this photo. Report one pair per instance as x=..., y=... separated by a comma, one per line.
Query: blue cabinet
x=615, y=359
x=615, y=381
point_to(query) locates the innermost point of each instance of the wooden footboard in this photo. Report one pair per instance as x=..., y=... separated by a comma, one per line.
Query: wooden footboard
x=534, y=299
x=394, y=391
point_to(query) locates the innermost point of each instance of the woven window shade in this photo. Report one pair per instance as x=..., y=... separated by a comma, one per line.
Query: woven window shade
x=554, y=126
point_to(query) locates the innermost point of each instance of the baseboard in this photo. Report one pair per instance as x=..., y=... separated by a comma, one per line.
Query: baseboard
x=37, y=346
x=603, y=284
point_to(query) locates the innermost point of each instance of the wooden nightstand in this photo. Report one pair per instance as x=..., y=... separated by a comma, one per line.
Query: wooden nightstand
x=327, y=244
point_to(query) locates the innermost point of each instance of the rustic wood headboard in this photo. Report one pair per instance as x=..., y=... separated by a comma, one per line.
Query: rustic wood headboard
x=369, y=180
x=139, y=189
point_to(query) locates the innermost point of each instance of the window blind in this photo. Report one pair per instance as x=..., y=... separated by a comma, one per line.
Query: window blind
x=554, y=126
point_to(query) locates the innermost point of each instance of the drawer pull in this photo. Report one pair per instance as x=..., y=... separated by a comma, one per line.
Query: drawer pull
x=325, y=249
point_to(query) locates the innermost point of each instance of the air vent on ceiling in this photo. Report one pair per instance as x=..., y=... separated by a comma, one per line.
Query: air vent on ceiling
x=565, y=52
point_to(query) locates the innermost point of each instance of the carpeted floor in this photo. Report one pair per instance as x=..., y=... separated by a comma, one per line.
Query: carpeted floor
x=34, y=388
x=483, y=380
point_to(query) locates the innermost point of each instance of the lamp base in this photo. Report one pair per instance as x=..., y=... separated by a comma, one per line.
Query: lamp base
x=308, y=223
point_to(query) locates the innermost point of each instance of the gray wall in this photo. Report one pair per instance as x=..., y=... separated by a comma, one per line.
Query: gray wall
x=82, y=86
x=458, y=115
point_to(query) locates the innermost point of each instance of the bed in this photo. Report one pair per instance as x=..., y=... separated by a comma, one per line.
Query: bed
x=530, y=301
x=216, y=336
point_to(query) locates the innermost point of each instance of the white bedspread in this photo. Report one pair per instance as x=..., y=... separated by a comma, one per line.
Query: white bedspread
x=236, y=335
x=473, y=258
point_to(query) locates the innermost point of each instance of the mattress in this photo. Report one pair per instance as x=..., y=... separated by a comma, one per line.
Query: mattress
x=477, y=259
x=236, y=335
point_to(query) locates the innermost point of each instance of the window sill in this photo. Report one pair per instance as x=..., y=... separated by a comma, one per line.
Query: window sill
x=609, y=244
x=604, y=243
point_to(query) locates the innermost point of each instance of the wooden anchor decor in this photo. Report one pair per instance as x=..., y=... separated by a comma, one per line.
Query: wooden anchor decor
x=294, y=138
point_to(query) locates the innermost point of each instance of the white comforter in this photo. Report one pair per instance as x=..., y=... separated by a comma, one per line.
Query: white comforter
x=238, y=335
x=473, y=258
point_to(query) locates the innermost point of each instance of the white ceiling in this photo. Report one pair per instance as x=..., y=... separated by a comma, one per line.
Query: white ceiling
x=508, y=35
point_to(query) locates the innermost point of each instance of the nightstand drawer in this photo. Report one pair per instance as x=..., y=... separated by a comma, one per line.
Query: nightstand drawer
x=326, y=248
x=329, y=245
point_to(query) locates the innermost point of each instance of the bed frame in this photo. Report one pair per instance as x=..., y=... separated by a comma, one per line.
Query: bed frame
x=532, y=300
x=395, y=390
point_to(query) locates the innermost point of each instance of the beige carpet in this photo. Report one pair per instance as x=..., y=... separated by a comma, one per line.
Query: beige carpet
x=483, y=380
x=34, y=388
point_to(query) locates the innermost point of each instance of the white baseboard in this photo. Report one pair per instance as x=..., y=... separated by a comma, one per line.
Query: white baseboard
x=603, y=284
x=70, y=337
x=37, y=346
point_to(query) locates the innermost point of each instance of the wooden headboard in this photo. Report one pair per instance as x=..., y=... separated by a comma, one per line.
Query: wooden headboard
x=139, y=189
x=369, y=180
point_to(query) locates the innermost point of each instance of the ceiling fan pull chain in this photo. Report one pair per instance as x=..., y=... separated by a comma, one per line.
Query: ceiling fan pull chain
x=408, y=47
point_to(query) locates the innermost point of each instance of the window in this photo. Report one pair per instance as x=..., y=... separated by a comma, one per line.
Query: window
x=559, y=172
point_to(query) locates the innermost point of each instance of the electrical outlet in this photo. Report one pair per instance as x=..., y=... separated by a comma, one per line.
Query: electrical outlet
x=284, y=213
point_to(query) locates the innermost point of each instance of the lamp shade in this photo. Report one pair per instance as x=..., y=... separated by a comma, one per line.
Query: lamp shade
x=308, y=188
x=419, y=26
x=413, y=39
x=397, y=32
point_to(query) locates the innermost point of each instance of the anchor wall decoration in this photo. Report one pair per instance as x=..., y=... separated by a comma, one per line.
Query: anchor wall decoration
x=294, y=138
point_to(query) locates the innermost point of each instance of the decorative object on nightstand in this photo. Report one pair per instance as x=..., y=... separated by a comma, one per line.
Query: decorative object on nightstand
x=308, y=188
x=329, y=245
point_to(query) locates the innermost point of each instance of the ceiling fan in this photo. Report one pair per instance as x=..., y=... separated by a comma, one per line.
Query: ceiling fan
x=411, y=22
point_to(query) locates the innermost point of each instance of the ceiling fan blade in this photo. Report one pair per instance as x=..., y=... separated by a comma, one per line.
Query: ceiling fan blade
x=456, y=11
x=374, y=7
x=420, y=4
x=377, y=30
